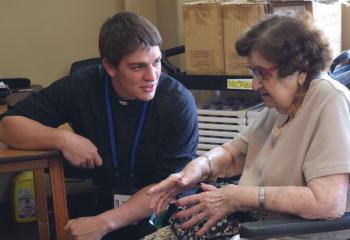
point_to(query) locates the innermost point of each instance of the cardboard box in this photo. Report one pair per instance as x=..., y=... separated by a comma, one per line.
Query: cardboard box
x=203, y=38
x=237, y=18
x=327, y=16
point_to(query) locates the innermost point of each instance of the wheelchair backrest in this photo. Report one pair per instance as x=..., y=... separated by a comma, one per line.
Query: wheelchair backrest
x=340, y=68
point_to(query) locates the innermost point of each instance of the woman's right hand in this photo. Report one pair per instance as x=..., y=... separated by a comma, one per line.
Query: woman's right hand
x=166, y=191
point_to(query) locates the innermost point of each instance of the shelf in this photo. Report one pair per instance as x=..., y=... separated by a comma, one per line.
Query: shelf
x=203, y=82
x=208, y=82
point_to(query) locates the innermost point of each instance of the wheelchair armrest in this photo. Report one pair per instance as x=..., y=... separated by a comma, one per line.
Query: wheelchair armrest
x=292, y=226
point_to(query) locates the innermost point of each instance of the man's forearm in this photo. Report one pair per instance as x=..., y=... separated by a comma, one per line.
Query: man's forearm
x=24, y=133
x=135, y=209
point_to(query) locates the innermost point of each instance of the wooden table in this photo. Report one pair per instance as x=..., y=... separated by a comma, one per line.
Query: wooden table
x=13, y=160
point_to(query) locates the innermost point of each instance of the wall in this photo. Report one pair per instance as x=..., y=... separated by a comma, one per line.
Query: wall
x=345, y=27
x=40, y=39
x=147, y=8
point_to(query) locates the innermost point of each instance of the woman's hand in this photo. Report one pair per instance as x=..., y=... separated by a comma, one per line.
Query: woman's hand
x=211, y=204
x=166, y=191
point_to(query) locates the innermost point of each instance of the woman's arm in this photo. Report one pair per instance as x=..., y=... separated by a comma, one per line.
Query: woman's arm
x=322, y=198
x=225, y=161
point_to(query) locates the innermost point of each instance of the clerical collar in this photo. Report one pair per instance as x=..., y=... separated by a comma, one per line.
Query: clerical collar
x=123, y=103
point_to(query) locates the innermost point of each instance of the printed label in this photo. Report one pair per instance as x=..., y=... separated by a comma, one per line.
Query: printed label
x=245, y=84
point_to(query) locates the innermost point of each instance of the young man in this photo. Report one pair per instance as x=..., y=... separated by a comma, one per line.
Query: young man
x=133, y=125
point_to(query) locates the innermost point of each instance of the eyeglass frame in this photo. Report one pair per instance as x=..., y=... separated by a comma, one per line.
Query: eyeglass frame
x=260, y=72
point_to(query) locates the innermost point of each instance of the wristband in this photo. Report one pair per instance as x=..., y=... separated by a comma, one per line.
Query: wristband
x=261, y=197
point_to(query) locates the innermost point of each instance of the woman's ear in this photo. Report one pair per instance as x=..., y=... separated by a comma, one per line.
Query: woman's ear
x=301, y=79
x=111, y=70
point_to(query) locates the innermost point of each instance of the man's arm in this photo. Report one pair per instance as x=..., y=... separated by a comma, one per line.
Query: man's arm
x=23, y=133
x=135, y=209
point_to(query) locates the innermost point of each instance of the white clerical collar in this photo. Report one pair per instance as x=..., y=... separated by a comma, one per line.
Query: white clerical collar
x=123, y=103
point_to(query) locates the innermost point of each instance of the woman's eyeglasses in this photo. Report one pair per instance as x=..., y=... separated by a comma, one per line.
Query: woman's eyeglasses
x=261, y=73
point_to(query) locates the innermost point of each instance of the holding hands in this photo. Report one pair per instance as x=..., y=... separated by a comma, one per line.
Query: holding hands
x=212, y=204
x=166, y=191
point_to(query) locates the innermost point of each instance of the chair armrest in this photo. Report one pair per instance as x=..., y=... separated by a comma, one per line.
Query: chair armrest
x=292, y=226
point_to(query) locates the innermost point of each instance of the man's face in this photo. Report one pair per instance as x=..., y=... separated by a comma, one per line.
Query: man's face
x=137, y=75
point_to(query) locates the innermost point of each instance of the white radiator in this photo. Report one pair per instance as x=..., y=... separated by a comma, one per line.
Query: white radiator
x=219, y=126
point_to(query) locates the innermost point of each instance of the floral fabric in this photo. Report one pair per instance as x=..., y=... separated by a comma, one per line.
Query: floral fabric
x=226, y=228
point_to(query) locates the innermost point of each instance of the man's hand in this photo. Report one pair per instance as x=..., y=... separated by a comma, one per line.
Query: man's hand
x=80, y=151
x=87, y=228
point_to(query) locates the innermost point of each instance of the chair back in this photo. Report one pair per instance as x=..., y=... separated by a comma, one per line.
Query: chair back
x=84, y=64
x=340, y=68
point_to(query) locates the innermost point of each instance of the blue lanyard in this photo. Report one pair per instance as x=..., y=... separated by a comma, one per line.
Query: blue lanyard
x=112, y=139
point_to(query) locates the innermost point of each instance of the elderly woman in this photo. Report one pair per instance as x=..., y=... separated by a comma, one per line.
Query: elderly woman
x=294, y=159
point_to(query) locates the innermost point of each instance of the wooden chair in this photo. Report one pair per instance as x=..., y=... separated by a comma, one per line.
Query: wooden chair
x=12, y=160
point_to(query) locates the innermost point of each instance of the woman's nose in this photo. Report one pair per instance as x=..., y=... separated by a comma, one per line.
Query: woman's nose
x=257, y=83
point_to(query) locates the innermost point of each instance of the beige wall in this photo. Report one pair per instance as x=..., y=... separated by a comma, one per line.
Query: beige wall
x=147, y=8
x=40, y=39
x=168, y=22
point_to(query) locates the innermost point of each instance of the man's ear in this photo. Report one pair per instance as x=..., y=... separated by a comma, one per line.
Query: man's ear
x=111, y=70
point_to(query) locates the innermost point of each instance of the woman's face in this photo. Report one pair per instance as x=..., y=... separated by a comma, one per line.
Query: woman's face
x=276, y=92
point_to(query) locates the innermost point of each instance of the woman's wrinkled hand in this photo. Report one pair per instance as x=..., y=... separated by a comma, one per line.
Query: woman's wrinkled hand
x=210, y=205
